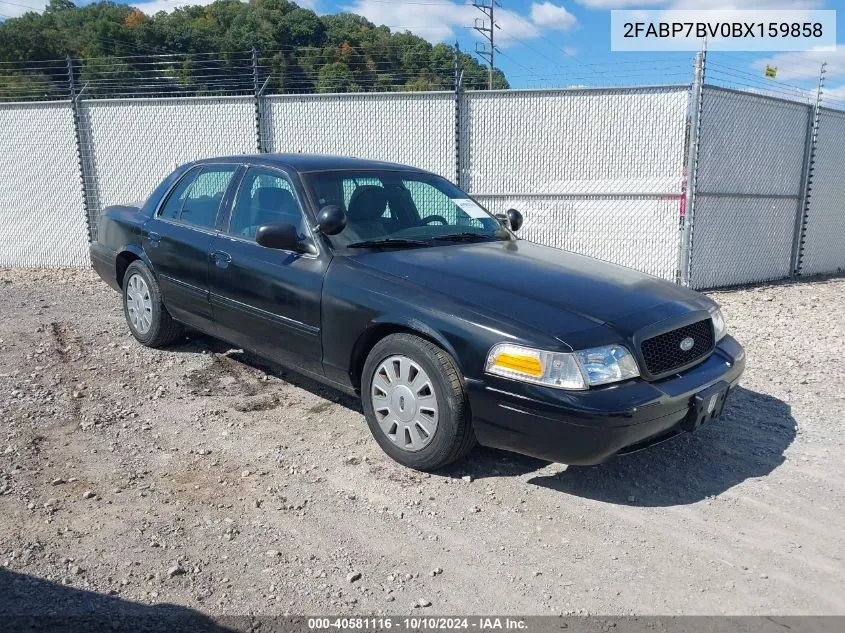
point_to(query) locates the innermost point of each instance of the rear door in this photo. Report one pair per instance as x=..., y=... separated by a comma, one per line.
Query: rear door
x=268, y=300
x=178, y=239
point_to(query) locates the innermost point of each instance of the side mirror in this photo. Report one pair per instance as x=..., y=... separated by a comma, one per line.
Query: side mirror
x=515, y=219
x=282, y=237
x=331, y=219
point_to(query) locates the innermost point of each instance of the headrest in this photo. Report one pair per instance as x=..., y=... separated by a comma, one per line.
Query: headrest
x=273, y=199
x=368, y=202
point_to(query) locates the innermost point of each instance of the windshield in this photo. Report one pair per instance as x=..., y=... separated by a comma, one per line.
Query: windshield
x=399, y=208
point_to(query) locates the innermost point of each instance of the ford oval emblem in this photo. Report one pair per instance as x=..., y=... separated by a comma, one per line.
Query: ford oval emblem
x=687, y=343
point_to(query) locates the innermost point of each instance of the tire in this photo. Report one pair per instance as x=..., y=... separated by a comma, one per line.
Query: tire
x=155, y=328
x=389, y=397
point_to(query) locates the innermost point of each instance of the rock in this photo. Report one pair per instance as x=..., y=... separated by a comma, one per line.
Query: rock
x=422, y=603
x=246, y=473
x=88, y=494
x=272, y=553
x=474, y=509
x=436, y=571
x=353, y=576
x=58, y=481
x=467, y=478
x=76, y=570
x=176, y=570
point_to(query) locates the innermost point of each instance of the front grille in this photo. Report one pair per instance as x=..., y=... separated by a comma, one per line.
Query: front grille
x=663, y=353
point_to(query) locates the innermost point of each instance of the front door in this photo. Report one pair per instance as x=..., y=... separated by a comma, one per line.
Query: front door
x=263, y=299
x=178, y=238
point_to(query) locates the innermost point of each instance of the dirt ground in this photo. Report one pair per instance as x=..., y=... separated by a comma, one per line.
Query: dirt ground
x=201, y=477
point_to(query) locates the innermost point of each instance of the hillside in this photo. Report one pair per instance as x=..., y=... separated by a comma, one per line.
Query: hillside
x=114, y=48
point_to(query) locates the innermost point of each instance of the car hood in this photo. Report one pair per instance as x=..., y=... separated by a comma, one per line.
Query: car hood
x=549, y=290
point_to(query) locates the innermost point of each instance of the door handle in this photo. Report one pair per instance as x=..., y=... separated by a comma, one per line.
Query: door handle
x=221, y=259
x=155, y=239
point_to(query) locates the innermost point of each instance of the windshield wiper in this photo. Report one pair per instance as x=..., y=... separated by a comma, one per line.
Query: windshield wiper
x=465, y=237
x=390, y=241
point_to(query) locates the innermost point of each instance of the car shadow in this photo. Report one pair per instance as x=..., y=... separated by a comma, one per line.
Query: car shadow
x=748, y=441
x=198, y=342
x=484, y=463
x=29, y=603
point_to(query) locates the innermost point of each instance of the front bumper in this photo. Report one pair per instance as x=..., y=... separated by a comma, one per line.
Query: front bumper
x=588, y=427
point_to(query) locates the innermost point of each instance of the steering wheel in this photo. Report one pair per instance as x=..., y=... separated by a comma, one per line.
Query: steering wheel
x=435, y=218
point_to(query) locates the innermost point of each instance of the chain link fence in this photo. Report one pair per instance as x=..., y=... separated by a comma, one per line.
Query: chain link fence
x=597, y=171
x=748, y=187
x=594, y=171
x=129, y=146
x=824, y=238
x=42, y=222
x=415, y=128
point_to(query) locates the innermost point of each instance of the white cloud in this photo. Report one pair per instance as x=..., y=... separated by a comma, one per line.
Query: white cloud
x=745, y=4
x=704, y=4
x=434, y=22
x=20, y=7
x=440, y=22
x=805, y=65
x=552, y=16
x=154, y=6
x=834, y=94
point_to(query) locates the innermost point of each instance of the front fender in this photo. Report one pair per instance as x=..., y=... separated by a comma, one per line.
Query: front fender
x=360, y=305
x=413, y=323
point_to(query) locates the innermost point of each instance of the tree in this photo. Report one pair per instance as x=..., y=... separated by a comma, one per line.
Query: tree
x=299, y=50
x=336, y=77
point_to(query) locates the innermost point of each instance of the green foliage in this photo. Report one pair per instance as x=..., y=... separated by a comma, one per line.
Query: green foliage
x=114, y=44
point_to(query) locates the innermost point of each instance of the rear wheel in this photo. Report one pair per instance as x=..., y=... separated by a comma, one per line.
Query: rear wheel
x=415, y=404
x=148, y=319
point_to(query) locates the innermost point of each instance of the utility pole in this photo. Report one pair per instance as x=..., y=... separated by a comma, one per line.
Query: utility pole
x=487, y=51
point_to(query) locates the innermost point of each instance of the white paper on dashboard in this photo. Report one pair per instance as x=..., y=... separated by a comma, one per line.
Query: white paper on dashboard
x=470, y=208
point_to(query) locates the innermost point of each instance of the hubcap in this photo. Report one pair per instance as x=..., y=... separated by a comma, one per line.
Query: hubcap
x=139, y=305
x=404, y=403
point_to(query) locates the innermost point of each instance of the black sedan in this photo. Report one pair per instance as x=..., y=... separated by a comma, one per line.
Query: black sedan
x=389, y=282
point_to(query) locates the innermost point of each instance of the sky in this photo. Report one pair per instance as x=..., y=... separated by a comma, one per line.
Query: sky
x=563, y=43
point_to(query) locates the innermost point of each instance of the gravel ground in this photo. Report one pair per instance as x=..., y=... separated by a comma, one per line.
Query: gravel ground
x=200, y=477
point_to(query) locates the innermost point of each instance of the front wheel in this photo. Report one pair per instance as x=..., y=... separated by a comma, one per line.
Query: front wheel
x=415, y=404
x=148, y=319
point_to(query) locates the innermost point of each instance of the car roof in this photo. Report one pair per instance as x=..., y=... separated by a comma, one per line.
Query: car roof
x=312, y=162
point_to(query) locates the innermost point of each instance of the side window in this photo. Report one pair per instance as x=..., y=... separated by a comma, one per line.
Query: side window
x=173, y=206
x=265, y=197
x=205, y=194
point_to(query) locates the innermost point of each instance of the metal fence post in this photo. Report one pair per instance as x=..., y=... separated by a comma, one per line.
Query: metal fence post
x=80, y=153
x=457, y=85
x=256, y=97
x=683, y=276
x=803, y=210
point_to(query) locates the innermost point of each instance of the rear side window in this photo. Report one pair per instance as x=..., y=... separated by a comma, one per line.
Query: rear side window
x=173, y=206
x=196, y=199
x=205, y=194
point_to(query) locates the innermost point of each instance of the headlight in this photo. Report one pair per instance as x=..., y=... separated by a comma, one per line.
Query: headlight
x=576, y=370
x=720, y=328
